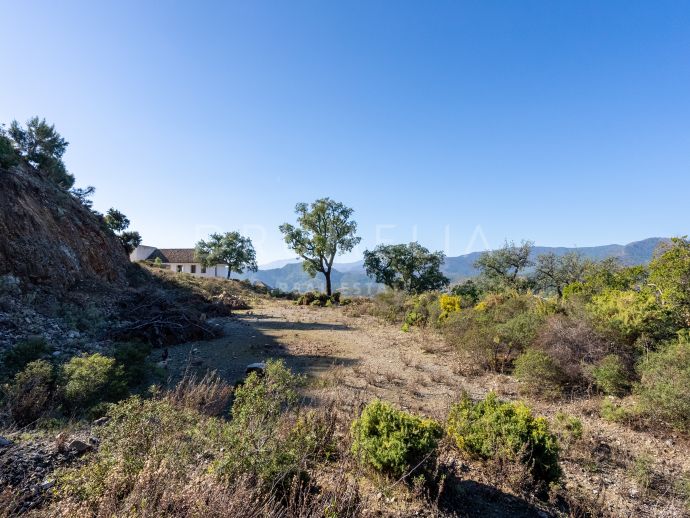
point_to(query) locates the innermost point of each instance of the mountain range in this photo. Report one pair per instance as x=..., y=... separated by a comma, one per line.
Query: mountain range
x=350, y=278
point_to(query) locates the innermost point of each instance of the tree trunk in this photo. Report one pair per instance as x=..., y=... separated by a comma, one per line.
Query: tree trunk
x=328, y=283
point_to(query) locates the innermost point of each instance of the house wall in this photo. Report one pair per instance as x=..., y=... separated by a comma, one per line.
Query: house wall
x=141, y=252
x=211, y=271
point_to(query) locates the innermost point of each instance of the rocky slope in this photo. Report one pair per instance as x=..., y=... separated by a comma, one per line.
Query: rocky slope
x=48, y=238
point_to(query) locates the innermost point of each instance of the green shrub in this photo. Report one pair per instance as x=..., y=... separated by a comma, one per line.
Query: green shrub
x=29, y=394
x=632, y=314
x=16, y=358
x=317, y=299
x=134, y=359
x=267, y=437
x=421, y=310
x=683, y=489
x=665, y=383
x=87, y=380
x=539, y=373
x=393, y=441
x=491, y=429
x=611, y=376
x=87, y=318
x=618, y=411
x=496, y=331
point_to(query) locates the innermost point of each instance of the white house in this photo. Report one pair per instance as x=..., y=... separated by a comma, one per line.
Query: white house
x=180, y=260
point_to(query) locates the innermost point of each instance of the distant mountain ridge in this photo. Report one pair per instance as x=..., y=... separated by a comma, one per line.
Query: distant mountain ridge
x=351, y=278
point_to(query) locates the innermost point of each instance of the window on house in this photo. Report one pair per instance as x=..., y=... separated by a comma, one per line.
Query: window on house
x=193, y=268
x=179, y=268
x=203, y=269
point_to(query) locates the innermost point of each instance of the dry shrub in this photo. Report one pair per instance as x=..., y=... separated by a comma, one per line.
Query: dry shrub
x=572, y=343
x=439, y=377
x=167, y=457
x=338, y=496
x=372, y=378
x=407, y=359
x=160, y=491
x=390, y=376
x=209, y=396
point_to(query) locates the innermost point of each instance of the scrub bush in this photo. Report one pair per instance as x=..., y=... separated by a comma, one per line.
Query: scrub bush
x=29, y=394
x=665, y=383
x=88, y=380
x=393, y=441
x=491, y=429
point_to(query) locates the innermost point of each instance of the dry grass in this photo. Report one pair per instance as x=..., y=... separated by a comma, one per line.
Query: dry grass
x=209, y=396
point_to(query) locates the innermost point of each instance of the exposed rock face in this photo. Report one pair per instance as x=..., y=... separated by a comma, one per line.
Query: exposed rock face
x=48, y=238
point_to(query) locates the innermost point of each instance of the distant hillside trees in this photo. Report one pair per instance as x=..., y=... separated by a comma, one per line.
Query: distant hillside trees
x=506, y=267
x=411, y=268
x=554, y=273
x=42, y=147
x=119, y=223
x=231, y=249
x=324, y=229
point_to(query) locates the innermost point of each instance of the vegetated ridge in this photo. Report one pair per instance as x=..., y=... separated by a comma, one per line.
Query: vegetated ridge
x=351, y=278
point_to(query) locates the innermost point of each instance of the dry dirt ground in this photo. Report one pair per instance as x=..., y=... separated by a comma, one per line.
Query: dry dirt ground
x=355, y=358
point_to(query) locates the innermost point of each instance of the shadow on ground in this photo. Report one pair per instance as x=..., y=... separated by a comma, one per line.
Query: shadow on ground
x=268, y=323
x=244, y=341
x=468, y=498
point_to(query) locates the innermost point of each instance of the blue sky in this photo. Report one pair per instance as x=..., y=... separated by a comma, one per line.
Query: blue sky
x=459, y=124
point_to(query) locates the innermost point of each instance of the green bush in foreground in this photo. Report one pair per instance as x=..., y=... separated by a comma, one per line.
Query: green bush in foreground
x=87, y=380
x=391, y=440
x=30, y=391
x=491, y=429
x=269, y=438
x=665, y=383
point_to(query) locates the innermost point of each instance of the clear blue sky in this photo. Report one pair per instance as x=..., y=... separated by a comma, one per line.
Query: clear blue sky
x=567, y=123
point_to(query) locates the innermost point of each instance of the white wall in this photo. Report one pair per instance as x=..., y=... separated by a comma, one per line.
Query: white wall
x=211, y=271
x=141, y=252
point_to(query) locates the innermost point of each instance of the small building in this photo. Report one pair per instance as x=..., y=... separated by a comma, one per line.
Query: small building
x=180, y=260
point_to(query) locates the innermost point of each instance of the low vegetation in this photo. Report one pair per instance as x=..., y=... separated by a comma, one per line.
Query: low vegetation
x=504, y=431
x=393, y=441
x=567, y=325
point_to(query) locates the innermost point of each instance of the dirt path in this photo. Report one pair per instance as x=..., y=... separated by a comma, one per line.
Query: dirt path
x=362, y=357
x=413, y=369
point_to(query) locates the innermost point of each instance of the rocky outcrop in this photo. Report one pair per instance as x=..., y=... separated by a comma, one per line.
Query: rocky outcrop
x=48, y=238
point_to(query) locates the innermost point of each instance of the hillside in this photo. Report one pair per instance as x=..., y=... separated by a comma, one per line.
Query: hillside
x=351, y=277
x=49, y=238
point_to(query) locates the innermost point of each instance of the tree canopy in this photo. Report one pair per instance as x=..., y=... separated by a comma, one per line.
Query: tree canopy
x=324, y=229
x=42, y=147
x=118, y=223
x=506, y=267
x=669, y=277
x=116, y=220
x=231, y=249
x=555, y=272
x=410, y=267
